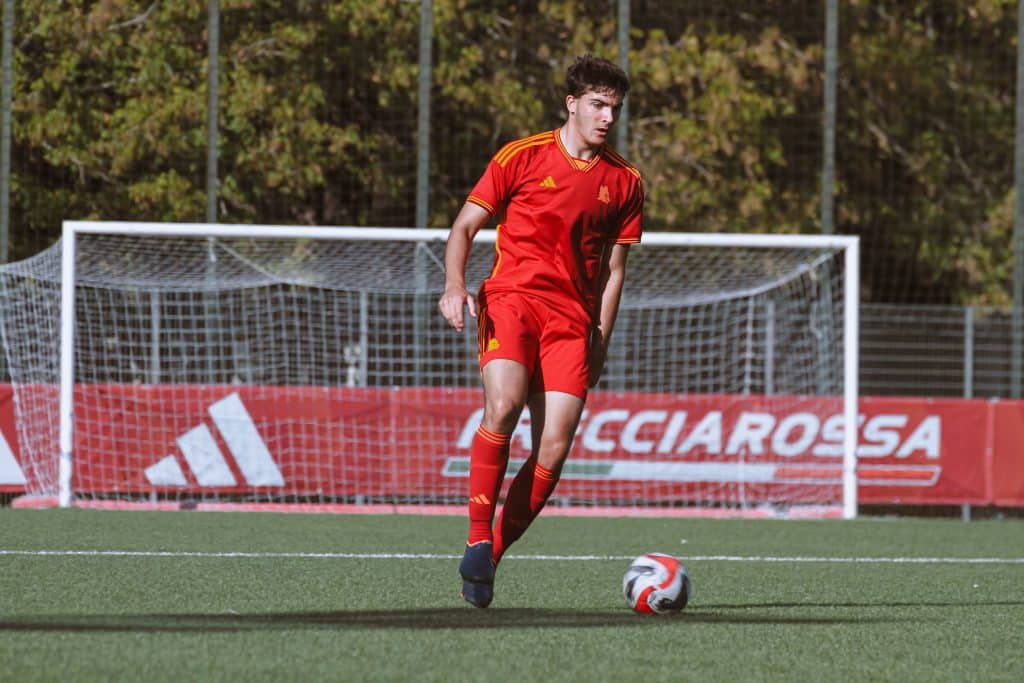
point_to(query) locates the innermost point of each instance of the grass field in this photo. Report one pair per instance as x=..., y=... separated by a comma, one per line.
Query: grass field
x=97, y=596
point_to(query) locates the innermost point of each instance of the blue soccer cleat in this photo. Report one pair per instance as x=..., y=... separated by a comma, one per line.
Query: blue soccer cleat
x=477, y=570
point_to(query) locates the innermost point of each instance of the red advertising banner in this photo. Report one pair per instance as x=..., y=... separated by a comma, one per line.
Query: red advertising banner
x=1007, y=474
x=349, y=442
x=939, y=450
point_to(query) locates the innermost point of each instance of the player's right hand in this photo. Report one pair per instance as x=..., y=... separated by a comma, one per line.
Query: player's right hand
x=452, y=302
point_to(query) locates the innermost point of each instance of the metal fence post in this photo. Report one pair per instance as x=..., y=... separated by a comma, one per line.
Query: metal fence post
x=968, y=351
x=212, y=105
x=420, y=304
x=1018, y=216
x=423, y=119
x=622, y=129
x=769, y=347
x=5, y=132
x=828, y=152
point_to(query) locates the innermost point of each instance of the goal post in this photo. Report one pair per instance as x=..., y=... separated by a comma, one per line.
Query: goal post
x=194, y=363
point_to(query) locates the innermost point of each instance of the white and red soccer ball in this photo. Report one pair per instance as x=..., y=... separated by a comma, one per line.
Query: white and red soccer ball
x=656, y=584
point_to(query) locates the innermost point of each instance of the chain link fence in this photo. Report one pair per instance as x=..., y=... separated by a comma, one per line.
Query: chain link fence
x=320, y=120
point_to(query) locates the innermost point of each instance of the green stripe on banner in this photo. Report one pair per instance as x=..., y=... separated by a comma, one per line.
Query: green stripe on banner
x=459, y=467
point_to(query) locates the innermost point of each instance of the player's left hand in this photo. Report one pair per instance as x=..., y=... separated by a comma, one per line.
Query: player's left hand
x=452, y=303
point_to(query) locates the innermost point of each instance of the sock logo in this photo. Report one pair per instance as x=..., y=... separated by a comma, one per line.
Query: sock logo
x=480, y=499
x=205, y=458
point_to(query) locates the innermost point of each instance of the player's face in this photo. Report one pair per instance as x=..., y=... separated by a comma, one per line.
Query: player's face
x=594, y=114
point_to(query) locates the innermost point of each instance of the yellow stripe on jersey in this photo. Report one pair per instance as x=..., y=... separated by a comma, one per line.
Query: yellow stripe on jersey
x=482, y=203
x=506, y=153
x=617, y=159
x=497, y=251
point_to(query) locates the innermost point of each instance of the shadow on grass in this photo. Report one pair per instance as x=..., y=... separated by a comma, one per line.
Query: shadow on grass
x=438, y=618
x=862, y=605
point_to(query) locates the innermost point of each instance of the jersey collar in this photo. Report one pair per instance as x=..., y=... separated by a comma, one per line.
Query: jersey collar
x=572, y=160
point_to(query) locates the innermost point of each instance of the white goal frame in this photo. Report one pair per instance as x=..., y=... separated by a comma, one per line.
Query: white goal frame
x=849, y=245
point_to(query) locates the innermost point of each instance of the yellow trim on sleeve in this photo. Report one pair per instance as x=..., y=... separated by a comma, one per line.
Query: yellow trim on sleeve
x=620, y=160
x=506, y=153
x=481, y=203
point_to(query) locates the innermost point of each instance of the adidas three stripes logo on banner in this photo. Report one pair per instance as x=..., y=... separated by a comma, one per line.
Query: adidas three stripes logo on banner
x=206, y=460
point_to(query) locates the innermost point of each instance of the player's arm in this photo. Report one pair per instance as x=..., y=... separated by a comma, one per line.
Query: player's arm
x=467, y=224
x=613, y=275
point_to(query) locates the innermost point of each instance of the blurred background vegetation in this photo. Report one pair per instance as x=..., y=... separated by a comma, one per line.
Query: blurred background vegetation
x=317, y=117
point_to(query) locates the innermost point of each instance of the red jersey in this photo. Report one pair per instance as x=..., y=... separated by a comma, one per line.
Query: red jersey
x=561, y=214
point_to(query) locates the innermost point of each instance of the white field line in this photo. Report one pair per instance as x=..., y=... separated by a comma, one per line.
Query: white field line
x=554, y=558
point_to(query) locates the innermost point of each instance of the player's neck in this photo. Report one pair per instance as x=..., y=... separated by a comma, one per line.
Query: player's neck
x=574, y=143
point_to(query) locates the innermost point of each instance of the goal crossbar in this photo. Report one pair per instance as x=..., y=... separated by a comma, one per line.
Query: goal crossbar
x=249, y=231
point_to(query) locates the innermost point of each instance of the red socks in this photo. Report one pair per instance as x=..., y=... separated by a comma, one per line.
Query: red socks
x=529, y=492
x=488, y=459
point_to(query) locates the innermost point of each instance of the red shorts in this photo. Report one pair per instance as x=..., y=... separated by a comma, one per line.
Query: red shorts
x=552, y=345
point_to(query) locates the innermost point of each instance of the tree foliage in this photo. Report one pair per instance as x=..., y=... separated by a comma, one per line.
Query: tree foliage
x=926, y=137
x=318, y=106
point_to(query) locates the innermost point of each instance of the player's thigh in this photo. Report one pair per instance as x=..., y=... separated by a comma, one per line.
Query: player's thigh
x=554, y=417
x=506, y=384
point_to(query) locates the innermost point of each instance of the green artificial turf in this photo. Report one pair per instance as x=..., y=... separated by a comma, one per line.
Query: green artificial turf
x=383, y=602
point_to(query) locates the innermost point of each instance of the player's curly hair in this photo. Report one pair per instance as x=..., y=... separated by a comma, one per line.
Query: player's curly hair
x=593, y=73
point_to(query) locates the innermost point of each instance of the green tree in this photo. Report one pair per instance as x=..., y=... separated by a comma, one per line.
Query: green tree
x=318, y=110
x=106, y=121
x=926, y=147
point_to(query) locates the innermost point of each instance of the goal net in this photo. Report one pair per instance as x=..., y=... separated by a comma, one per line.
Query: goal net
x=186, y=364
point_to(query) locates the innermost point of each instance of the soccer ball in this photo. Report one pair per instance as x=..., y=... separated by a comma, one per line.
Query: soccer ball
x=656, y=584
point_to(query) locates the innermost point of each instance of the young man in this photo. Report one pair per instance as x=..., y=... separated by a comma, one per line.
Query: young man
x=572, y=206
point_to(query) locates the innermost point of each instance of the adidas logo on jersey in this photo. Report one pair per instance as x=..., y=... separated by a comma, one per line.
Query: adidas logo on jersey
x=548, y=182
x=207, y=462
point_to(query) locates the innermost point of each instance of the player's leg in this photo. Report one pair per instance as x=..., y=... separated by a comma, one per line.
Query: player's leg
x=505, y=386
x=507, y=356
x=554, y=417
x=558, y=391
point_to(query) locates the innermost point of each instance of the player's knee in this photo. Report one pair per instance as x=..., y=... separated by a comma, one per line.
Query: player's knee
x=501, y=413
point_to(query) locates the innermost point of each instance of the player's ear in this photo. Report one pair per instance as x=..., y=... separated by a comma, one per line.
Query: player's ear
x=570, y=104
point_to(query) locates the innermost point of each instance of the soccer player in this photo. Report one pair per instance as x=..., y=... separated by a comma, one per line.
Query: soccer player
x=571, y=207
